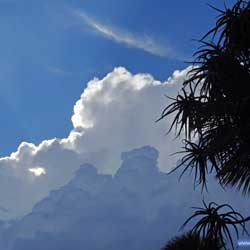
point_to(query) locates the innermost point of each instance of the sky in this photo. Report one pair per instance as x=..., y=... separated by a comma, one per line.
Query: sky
x=83, y=82
x=51, y=49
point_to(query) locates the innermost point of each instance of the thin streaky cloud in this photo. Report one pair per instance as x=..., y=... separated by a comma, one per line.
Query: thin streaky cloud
x=145, y=43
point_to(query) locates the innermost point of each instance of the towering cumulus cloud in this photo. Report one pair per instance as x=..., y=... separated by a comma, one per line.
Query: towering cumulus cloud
x=138, y=208
x=114, y=114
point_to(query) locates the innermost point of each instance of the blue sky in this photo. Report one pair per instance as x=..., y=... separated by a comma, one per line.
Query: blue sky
x=83, y=82
x=50, y=49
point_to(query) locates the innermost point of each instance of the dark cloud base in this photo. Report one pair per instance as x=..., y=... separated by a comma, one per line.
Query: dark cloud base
x=138, y=208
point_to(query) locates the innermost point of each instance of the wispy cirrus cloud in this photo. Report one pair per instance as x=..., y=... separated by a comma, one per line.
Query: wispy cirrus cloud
x=144, y=42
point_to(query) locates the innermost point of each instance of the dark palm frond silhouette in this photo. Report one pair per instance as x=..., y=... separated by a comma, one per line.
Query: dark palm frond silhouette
x=212, y=110
x=234, y=26
x=215, y=225
x=192, y=241
x=212, y=113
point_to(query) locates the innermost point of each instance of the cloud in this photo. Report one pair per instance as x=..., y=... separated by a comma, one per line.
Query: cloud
x=145, y=42
x=37, y=171
x=56, y=70
x=139, y=208
x=113, y=115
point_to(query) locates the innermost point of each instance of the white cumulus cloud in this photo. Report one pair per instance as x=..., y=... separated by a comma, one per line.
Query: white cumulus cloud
x=37, y=171
x=114, y=114
x=139, y=205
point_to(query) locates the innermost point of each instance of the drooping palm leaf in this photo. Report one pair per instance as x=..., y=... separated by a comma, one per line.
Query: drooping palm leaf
x=214, y=104
x=214, y=224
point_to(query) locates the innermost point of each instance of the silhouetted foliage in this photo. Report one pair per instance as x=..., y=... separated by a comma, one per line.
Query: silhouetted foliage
x=191, y=241
x=212, y=112
x=214, y=225
x=213, y=108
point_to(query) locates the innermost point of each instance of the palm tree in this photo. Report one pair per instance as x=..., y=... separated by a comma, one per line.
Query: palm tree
x=191, y=241
x=214, y=225
x=214, y=103
x=212, y=111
